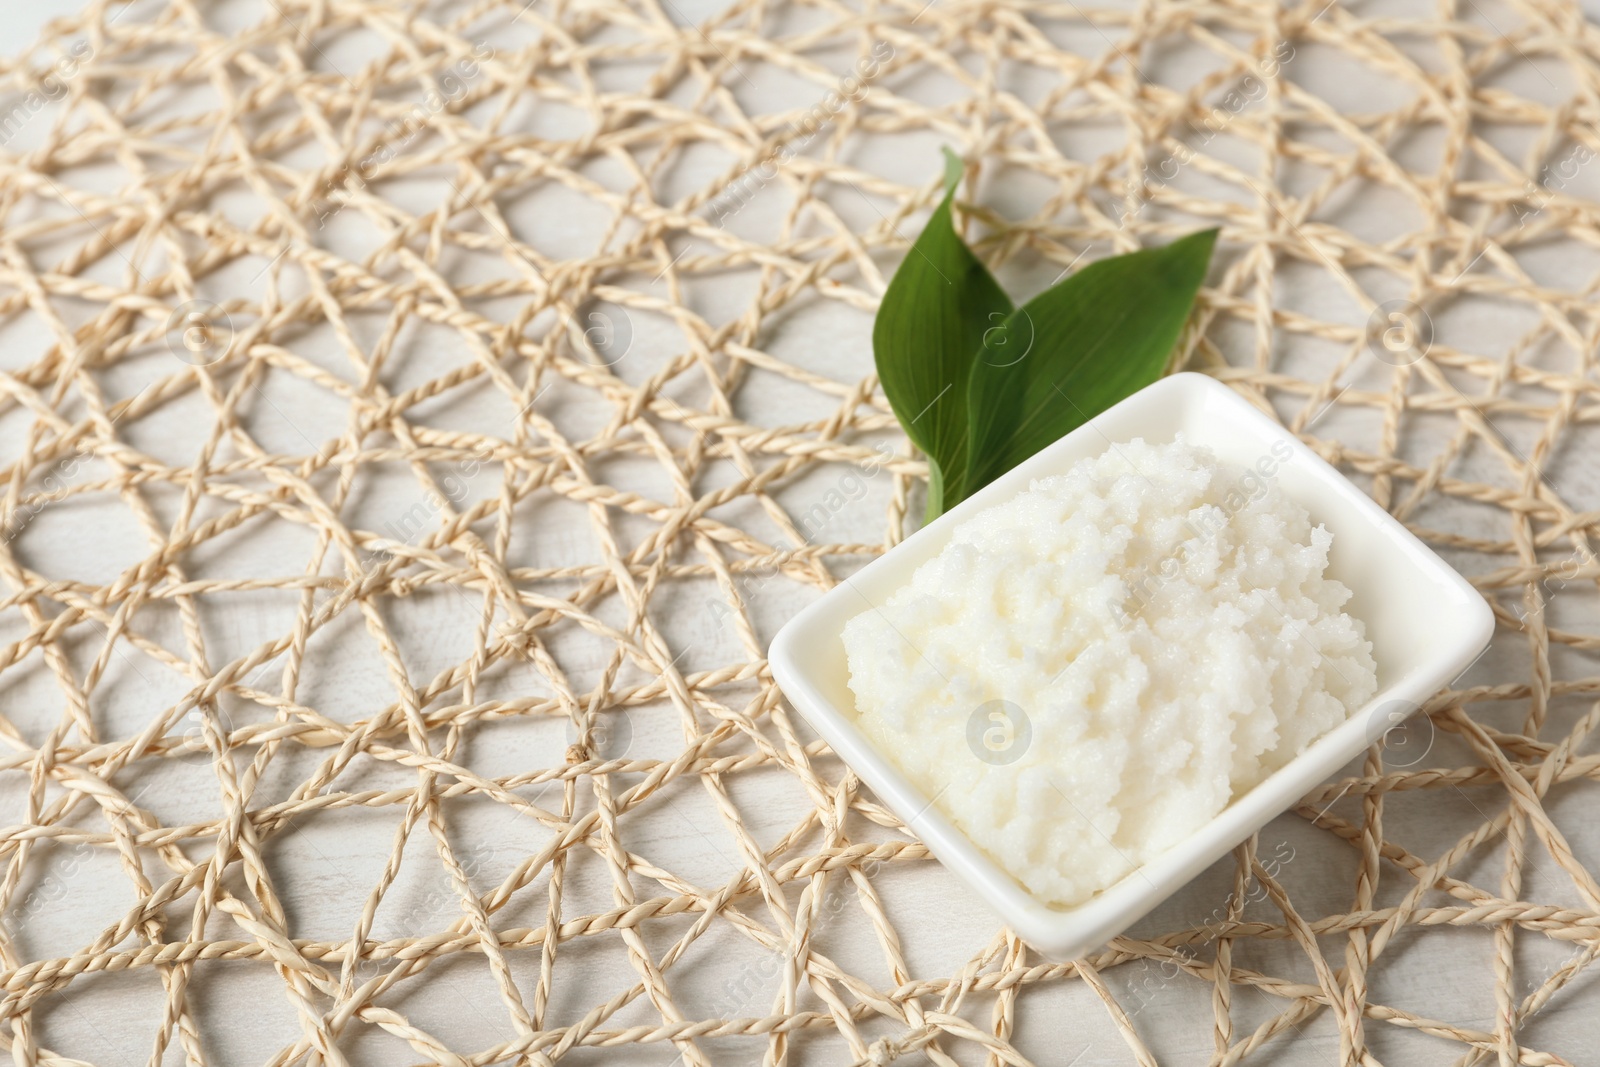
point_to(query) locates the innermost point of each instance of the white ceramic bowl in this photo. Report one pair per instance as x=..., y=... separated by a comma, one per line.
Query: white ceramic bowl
x=1426, y=624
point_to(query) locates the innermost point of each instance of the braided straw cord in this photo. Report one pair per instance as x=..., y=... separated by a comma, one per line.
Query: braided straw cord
x=416, y=418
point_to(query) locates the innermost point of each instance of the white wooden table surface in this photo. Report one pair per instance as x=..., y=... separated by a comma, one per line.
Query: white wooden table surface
x=327, y=867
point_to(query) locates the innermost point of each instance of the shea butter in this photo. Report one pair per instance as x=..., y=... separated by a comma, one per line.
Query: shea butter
x=1091, y=670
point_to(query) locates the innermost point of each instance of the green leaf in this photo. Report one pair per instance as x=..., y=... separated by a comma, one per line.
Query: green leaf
x=1076, y=349
x=927, y=337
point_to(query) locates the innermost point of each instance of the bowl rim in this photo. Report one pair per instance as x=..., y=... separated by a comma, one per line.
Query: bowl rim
x=1068, y=932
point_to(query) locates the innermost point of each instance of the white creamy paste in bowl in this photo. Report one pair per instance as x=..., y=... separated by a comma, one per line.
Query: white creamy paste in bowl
x=1090, y=671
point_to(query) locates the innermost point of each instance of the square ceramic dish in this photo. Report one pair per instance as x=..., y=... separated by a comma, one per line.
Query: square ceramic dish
x=1425, y=622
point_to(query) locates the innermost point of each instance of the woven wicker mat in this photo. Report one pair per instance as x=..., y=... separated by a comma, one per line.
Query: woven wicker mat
x=417, y=418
